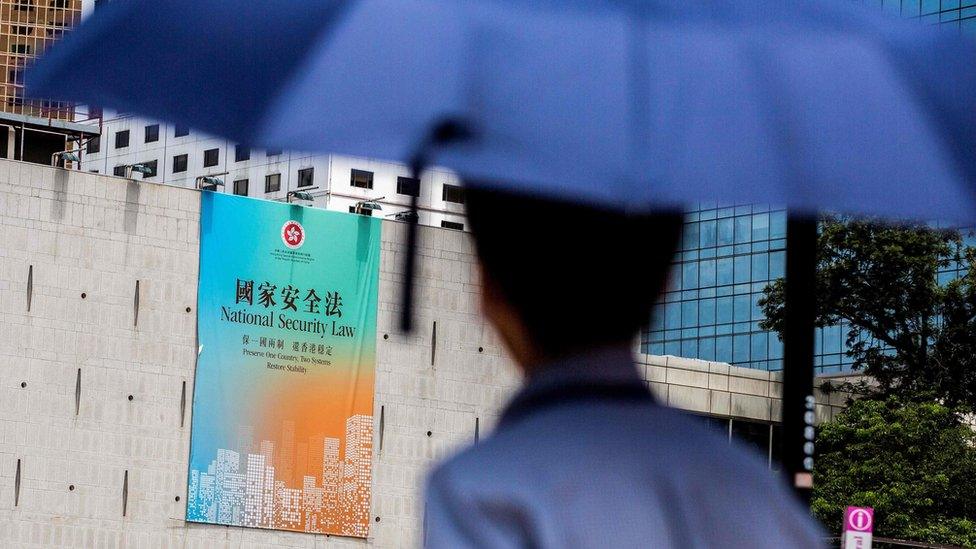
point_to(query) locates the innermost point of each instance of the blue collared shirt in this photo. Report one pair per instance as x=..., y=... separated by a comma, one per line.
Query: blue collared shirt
x=583, y=457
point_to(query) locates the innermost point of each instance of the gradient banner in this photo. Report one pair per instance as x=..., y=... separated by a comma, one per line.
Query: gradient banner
x=283, y=399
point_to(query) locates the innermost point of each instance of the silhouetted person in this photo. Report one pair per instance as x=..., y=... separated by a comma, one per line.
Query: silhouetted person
x=582, y=455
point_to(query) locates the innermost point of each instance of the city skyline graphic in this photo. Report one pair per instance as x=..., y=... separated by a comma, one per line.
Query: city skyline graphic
x=320, y=484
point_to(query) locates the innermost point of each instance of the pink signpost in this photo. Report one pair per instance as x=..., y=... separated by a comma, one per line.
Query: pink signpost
x=858, y=527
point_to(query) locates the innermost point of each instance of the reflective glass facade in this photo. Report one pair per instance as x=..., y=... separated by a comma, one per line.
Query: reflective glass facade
x=710, y=309
x=953, y=14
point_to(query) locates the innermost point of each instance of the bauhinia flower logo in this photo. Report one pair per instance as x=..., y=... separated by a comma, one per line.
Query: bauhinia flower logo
x=293, y=234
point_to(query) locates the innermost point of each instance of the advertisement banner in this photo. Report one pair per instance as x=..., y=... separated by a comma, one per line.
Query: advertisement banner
x=282, y=424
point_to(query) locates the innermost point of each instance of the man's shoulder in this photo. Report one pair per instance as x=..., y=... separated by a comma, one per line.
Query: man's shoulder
x=598, y=439
x=645, y=465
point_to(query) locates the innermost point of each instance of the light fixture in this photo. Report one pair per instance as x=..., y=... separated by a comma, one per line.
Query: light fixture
x=63, y=157
x=140, y=168
x=210, y=182
x=405, y=215
x=301, y=195
x=368, y=205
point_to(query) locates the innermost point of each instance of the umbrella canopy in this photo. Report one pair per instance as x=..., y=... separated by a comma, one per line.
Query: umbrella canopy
x=630, y=104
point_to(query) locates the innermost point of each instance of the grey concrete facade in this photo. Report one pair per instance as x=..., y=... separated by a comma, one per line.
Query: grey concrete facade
x=97, y=315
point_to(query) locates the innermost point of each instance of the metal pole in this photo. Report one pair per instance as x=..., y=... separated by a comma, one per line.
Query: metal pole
x=798, y=402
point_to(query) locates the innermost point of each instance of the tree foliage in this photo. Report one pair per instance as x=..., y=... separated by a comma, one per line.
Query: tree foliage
x=913, y=332
x=914, y=462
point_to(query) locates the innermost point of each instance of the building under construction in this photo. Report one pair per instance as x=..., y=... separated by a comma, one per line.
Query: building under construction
x=35, y=130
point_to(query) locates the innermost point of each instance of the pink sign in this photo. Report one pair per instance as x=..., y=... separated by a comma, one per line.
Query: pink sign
x=859, y=519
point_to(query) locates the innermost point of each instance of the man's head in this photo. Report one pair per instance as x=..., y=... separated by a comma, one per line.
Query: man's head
x=559, y=278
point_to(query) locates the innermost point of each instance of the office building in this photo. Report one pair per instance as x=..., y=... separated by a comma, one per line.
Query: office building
x=183, y=156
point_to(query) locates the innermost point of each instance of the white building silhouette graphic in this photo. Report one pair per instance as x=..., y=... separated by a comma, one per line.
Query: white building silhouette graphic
x=321, y=484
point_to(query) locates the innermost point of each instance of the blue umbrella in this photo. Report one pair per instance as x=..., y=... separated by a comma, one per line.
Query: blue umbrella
x=630, y=104
x=816, y=105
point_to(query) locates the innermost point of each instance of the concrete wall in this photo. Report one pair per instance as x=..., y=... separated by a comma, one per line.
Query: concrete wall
x=718, y=389
x=95, y=400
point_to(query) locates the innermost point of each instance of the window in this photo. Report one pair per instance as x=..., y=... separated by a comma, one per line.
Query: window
x=724, y=271
x=211, y=157
x=94, y=145
x=706, y=273
x=119, y=171
x=153, y=166
x=274, y=152
x=723, y=308
x=361, y=179
x=16, y=78
x=272, y=183
x=27, y=5
x=179, y=163
x=760, y=226
x=743, y=229
x=723, y=349
x=181, y=130
x=60, y=4
x=241, y=153
x=689, y=275
x=240, y=187
x=740, y=349
x=452, y=225
x=777, y=224
x=363, y=211
x=777, y=265
x=20, y=48
x=725, y=230
x=453, y=193
x=707, y=233
x=706, y=311
x=122, y=139
x=753, y=434
x=742, y=308
x=408, y=186
x=305, y=177
x=22, y=30
x=689, y=315
x=742, y=268
x=152, y=133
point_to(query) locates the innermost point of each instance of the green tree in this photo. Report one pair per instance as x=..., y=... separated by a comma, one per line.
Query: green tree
x=914, y=462
x=908, y=327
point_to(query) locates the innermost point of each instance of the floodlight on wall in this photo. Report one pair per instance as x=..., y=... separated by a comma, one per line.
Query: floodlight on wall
x=209, y=182
x=61, y=158
x=369, y=205
x=405, y=215
x=139, y=168
x=301, y=195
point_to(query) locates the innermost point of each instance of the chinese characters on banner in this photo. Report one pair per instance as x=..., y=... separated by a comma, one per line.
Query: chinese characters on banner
x=288, y=295
x=283, y=399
